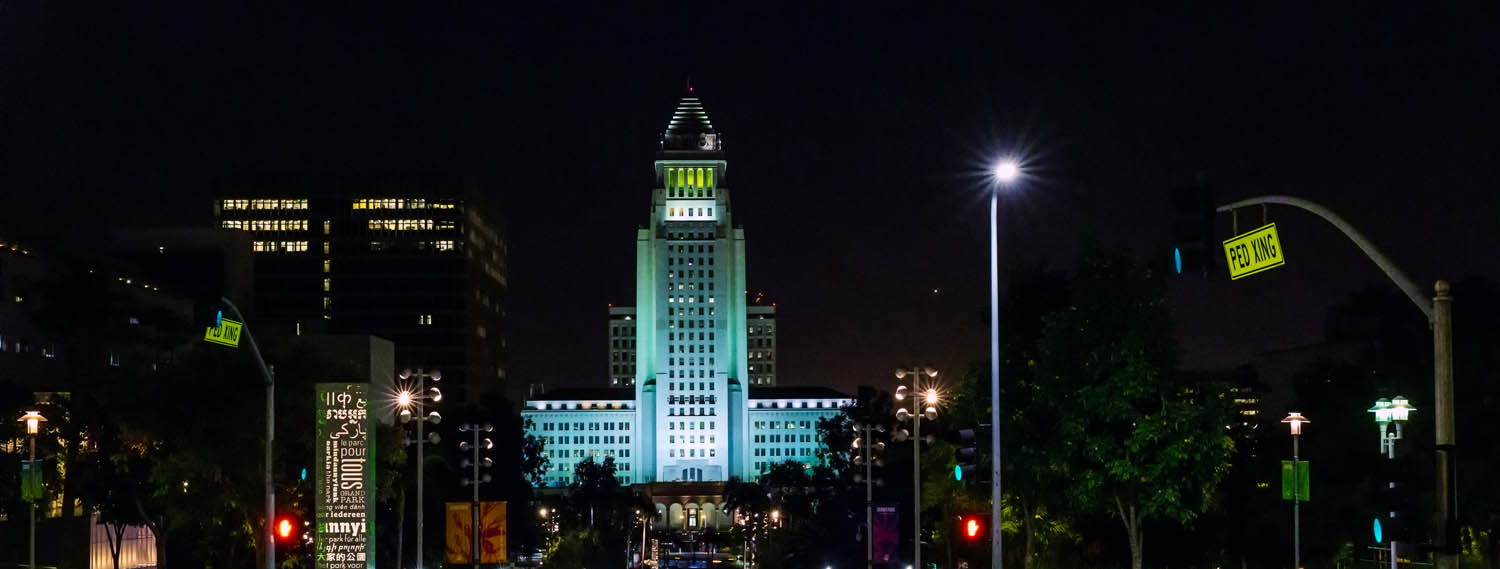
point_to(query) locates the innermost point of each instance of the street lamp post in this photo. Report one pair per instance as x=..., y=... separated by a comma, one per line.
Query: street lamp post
x=1295, y=420
x=930, y=398
x=476, y=479
x=1388, y=411
x=406, y=399
x=868, y=446
x=1006, y=173
x=33, y=420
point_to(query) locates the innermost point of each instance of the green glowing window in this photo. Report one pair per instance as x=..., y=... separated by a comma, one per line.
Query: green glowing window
x=710, y=182
x=701, y=183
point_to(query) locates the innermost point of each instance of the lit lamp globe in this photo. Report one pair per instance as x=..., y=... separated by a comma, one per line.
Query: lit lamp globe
x=1400, y=409
x=1382, y=411
x=1295, y=420
x=1007, y=171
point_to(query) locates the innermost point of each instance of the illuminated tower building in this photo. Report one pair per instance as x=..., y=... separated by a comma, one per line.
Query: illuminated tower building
x=684, y=411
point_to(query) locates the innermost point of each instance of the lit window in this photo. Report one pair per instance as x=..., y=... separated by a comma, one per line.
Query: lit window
x=327, y=303
x=327, y=265
x=327, y=284
x=424, y=319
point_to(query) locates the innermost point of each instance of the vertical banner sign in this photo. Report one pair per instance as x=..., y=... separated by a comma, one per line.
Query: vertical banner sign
x=1303, y=485
x=492, y=532
x=884, y=536
x=345, y=472
x=459, y=532
x=459, y=522
x=31, y=480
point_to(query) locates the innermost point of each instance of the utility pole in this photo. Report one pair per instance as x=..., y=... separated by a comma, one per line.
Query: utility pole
x=269, y=373
x=1439, y=313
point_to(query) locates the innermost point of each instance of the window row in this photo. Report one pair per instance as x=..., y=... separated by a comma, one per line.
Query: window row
x=410, y=224
x=279, y=246
x=265, y=224
x=694, y=178
x=687, y=261
x=690, y=212
x=778, y=451
x=692, y=412
x=689, y=274
x=689, y=425
x=690, y=386
x=692, y=453
x=264, y=204
x=397, y=203
x=804, y=438
x=590, y=440
x=689, y=349
x=609, y=426
x=774, y=425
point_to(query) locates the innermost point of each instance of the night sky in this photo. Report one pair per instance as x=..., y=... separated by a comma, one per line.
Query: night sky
x=857, y=142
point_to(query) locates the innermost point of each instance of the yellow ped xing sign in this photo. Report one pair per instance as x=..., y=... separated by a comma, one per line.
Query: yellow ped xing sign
x=1253, y=252
x=228, y=333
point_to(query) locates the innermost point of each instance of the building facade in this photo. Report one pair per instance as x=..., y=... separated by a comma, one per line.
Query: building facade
x=421, y=265
x=685, y=412
x=760, y=334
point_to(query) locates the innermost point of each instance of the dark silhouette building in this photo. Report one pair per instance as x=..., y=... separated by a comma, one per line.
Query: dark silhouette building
x=421, y=264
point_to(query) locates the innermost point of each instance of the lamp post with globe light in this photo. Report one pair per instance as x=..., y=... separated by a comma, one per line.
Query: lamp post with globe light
x=1295, y=421
x=33, y=421
x=1387, y=412
x=919, y=398
x=1006, y=173
x=416, y=396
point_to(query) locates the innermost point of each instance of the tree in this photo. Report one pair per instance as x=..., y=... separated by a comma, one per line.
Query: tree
x=1136, y=444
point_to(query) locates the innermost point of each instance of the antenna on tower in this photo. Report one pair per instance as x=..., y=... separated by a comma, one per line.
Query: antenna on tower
x=690, y=84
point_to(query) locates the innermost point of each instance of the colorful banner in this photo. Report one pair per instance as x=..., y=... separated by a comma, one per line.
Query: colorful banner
x=459, y=518
x=885, y=535
x=345, y=477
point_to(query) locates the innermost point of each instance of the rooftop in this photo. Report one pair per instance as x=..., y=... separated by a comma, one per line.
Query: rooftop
x=795, y=392
x=587, y=394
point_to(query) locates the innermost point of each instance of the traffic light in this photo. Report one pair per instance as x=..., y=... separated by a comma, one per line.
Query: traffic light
x=1396, y=518
x=971, y=528
x=1194, y=247
x=967, y=455
x=286, y=528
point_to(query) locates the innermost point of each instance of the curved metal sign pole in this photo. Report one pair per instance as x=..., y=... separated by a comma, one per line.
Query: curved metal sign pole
x=1439, y=312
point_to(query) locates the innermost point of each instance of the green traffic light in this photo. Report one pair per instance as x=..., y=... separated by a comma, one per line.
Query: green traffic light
x=958, y=472
x=1378, y=534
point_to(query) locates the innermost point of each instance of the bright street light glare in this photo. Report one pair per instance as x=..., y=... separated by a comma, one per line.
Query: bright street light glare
x=1007, y=172
x=403, y=399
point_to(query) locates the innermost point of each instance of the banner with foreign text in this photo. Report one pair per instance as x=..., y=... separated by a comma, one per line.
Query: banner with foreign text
x=345, y=478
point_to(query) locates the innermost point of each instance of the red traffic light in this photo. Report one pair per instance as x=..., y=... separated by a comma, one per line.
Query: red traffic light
x=971, y=527
x=285, y=527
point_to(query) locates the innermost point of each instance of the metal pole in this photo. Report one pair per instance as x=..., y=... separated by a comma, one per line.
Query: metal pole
x=1296, y=507
x=421, y=442
x=1447, y=471
x=916, y=475
x=474, y=511
x=31, y=563
x=1390, y=454
x=270, y=488
x=869, y=494
x=996, y=556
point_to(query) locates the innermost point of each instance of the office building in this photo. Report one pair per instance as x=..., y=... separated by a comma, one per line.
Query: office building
x=422, y=265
